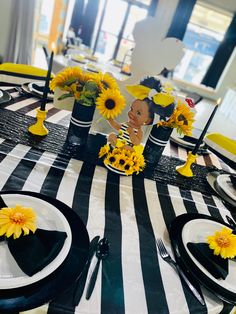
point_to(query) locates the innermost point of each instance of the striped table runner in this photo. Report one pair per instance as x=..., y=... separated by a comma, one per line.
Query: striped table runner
x=131, y=212
x=27, y=105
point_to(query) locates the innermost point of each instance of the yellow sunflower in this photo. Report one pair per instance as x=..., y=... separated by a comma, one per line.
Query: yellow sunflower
x=14, y=220
x=104, y=150
x=182, y=119
x=66, y=78
x=110, y=158
x=128, y=167
x=106, y=81
x=121, y=160
x=110, y=103
x=223, y=243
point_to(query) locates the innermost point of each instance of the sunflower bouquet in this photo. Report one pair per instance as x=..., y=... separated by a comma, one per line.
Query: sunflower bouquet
x=122, y=160
x=182, y=119
x=90, y=89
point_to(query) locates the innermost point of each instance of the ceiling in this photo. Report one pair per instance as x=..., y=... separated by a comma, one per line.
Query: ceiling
x=228, y=5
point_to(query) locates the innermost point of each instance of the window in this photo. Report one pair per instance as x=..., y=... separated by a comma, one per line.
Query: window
x=115, y=38
x=204, y=33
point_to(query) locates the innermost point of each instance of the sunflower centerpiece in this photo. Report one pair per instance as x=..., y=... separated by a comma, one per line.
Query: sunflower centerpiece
x=155, y=105
x=88, y=91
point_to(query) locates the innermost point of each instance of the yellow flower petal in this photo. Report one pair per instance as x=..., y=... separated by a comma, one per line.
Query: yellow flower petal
x=223, y=243
x=14, y=220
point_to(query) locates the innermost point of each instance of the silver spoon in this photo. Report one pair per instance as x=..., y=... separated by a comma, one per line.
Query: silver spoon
x=101, y=254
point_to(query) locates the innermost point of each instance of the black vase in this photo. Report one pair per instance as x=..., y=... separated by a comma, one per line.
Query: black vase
x=80, y=123
x=155, y=144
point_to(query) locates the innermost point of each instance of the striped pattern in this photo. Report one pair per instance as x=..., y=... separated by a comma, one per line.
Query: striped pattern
x=157, y=141
x=82, y=124
x=131, y=212
x=124, y=134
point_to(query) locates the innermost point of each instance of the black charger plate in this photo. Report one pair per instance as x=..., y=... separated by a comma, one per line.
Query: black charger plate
x=186, y=262
x=41, y=292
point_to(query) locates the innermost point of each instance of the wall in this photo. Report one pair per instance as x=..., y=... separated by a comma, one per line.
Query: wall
x=5, y=22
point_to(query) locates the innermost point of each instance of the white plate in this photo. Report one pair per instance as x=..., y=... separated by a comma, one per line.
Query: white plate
x=227, y=186
x=92, y=68
x=41, y=84
x=78, y=58
x=48, y=218
x=197, y=231
x=180, y=141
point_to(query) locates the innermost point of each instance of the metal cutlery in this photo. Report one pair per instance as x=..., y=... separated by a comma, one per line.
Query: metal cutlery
x=82, y=279
x=101, y=253
x=166, y=257
x=20, y=90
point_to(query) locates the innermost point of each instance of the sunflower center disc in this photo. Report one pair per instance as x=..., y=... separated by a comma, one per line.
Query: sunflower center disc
x=110, y=104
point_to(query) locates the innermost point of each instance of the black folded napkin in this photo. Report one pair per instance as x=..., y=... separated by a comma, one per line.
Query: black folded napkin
x=35, y=251
x=214, y=264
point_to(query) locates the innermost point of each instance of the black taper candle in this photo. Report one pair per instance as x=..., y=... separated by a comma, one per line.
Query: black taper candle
x=46, y=87
x=199, y=141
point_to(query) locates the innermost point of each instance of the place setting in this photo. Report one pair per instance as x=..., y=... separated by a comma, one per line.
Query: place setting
x=38, y=249
x=224, y=186
x=188, y=142
x=205, y=249
x=36, y=89
x=79, y=59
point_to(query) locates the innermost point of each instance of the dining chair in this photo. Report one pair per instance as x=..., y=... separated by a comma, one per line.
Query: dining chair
x=21, y=73
x=223, y=147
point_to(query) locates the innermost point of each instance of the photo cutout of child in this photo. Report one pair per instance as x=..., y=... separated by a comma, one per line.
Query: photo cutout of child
x=142, y=111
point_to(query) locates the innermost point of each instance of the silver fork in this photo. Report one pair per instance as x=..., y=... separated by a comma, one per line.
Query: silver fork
x=166, y=257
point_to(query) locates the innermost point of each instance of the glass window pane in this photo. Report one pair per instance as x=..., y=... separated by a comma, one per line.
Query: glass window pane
x=124, y=53
x=203, y=36
x=210, y=19
x=106, y=45
x=45, y=17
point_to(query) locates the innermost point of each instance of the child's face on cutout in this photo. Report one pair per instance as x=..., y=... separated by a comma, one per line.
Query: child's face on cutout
x=139, y=113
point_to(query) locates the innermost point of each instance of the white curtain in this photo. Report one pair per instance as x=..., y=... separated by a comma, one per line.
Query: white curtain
x=19, y=49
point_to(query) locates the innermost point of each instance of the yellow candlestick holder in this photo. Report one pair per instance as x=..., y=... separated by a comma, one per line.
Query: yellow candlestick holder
x=39, y=128
x=185, y=170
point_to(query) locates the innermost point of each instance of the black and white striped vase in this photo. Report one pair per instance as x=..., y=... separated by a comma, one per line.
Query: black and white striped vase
x=155, y=144
x=80, y=123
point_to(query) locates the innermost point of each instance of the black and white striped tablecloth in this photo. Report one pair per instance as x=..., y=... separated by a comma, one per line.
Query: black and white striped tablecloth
x=131, y=212
x=27, y=105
